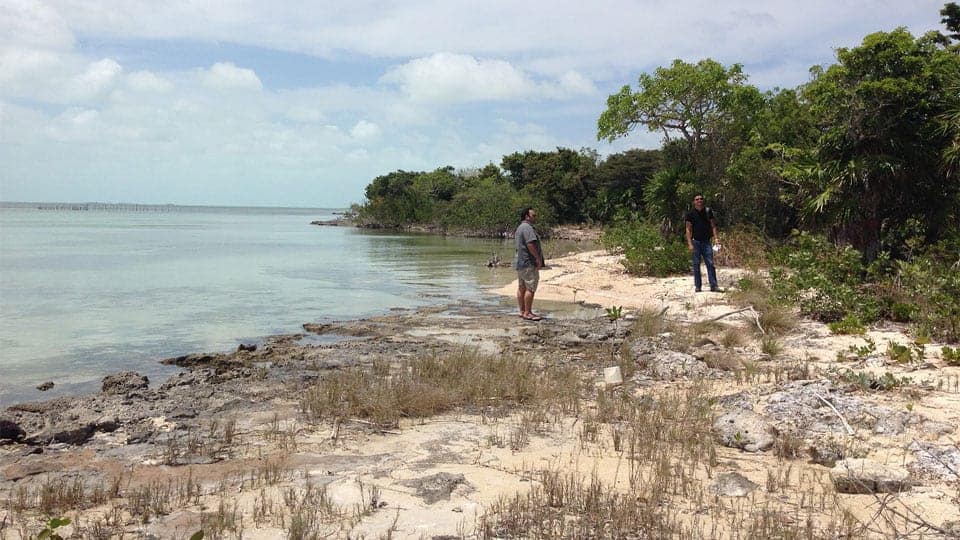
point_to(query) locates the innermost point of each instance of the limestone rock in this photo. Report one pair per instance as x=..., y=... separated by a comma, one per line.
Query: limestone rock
x=936, y=429
x=867, y=476
x=893, y=422
x=827, y=450
x=732, y=484
x=798, y=405
x=570, y=339
x=934, y=460
x=43, y=387
x=672, y=365
x=124, y=383
x=745, y=430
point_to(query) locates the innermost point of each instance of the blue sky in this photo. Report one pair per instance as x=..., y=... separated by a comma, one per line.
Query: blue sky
x=297, y=103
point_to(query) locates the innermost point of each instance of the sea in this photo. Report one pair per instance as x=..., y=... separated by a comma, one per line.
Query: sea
x=91, y=289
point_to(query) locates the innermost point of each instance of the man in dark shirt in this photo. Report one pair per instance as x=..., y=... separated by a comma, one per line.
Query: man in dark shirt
x=701, y=226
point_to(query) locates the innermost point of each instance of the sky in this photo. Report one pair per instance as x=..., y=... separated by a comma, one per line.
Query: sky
x=303, y=103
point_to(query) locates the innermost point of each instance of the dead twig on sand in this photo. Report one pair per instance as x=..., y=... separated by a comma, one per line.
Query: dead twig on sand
x=724, y=315
x=836, y=412
x=756, y=318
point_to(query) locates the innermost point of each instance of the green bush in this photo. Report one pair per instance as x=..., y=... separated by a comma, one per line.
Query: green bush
x=950, y=355
x=849, y=325
x=929, y=290
x=825, y=280
x=646, y=252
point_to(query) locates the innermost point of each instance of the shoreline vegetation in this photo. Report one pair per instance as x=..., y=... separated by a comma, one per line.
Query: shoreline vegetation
x=818, y=397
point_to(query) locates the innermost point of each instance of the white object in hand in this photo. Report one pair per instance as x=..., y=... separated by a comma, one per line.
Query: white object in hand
x=716, y=247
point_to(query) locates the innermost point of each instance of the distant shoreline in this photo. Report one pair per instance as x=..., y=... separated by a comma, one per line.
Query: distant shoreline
x=130, y=206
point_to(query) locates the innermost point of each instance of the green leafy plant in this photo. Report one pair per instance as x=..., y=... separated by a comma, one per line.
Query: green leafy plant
x=646, y=252
x=50, y=531
x=614, y=313
x=867, y=381
x=849, y=325
x=858, y=352
x=900, y=354
x=950, y=355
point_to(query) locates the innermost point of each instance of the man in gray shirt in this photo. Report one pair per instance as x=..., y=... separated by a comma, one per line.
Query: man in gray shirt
x=528, y=262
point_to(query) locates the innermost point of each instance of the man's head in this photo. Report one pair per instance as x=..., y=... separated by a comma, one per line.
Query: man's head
x=528, y=214
x=698, y=202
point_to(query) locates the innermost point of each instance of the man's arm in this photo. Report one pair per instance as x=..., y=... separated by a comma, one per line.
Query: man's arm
x=713, y=225
x=690, y=236
x=535, y=253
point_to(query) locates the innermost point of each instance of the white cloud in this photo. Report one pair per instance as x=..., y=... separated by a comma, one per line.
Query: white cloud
x=94, y=81
x=225, y=75
x=575, y=83
x=147, y=81
x=453, y=78
x=364, y=130
x=447, y=77
x=33, y=24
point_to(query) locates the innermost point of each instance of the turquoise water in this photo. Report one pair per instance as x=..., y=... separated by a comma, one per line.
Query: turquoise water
x=87, y=293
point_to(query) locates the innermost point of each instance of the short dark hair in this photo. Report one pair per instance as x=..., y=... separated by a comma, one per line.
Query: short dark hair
x=525, y=212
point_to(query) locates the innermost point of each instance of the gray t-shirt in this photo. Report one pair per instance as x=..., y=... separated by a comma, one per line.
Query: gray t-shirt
x=524, y=258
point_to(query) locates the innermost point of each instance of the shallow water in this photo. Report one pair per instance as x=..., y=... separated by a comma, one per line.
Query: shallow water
x=87, y=293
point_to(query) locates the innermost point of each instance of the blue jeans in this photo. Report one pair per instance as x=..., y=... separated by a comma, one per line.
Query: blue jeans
x=705, y=251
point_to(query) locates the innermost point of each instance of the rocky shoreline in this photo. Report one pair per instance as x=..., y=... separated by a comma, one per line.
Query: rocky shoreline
x=226, y=443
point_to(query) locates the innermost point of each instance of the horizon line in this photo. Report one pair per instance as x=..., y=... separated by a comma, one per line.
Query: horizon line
x=5, y=202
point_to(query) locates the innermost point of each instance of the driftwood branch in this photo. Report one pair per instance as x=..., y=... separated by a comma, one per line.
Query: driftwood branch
x=726, y=314
x=756, y=318
x=836, y=412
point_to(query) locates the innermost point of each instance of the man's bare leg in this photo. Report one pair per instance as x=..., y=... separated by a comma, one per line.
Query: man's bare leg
x=528, y=304
x=521, y=299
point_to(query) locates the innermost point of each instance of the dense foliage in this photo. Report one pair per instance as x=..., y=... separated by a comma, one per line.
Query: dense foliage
x=565, y=186
x=864, y=159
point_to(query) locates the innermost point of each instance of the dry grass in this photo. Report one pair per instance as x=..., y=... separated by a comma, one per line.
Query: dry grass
x=649, y=322
x=723, y=360
x=665, y=440
x=743, y=247
x=433, y=384
x=734, y=337
x=778, y=320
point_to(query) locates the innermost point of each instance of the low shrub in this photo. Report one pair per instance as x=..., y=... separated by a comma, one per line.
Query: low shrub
x=929, y=291
x=950, y=356
x=646, y=251
x=825, y=280
x=867, y=381
x=849, y=325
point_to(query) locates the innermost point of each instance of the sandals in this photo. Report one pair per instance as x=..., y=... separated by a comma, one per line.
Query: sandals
x=531, y=317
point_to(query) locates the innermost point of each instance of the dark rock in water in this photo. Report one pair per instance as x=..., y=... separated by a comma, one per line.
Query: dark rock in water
x=10, y=430
x=436, y=487
x=124, y=383
x=43, y=387
x=195, y=360
x=247, y=348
